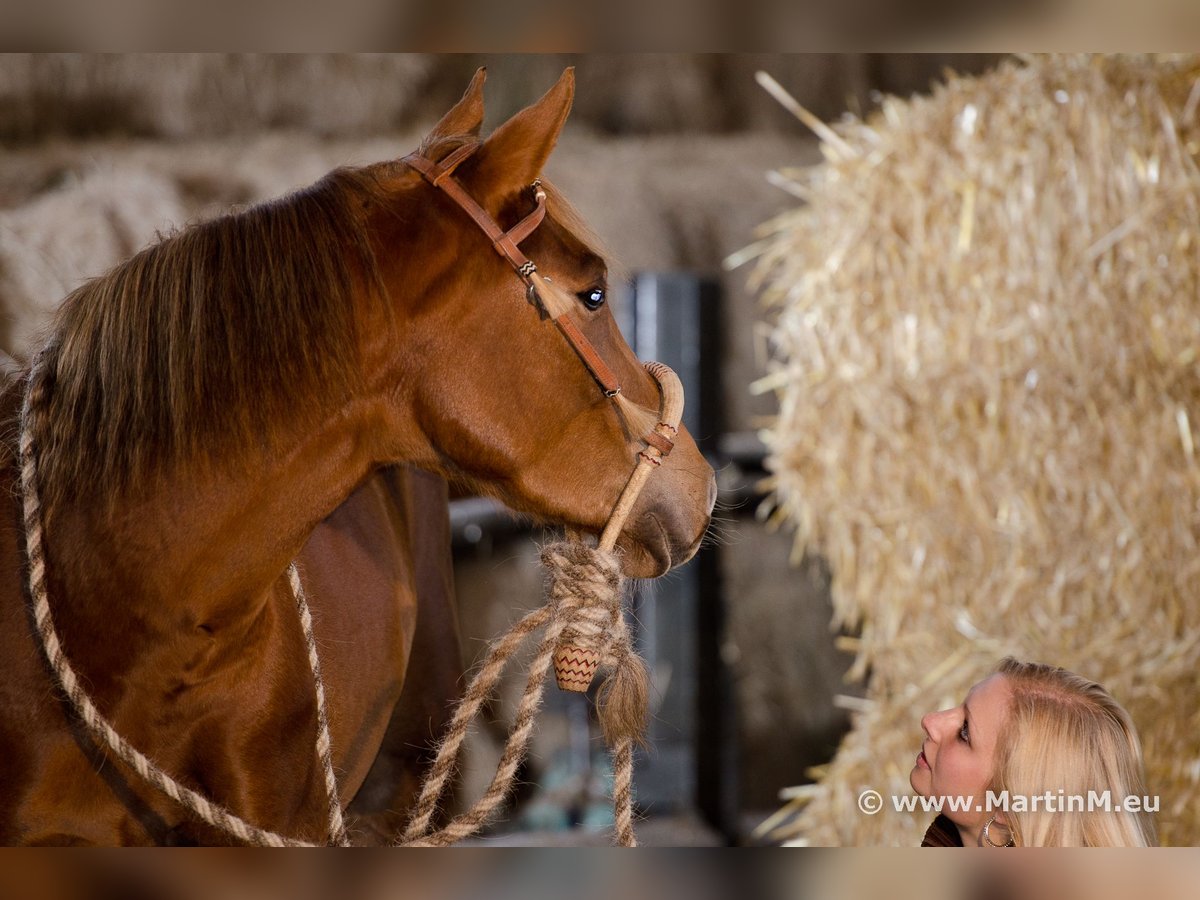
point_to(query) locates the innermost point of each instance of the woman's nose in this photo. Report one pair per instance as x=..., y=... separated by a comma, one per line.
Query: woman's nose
x=931, y=723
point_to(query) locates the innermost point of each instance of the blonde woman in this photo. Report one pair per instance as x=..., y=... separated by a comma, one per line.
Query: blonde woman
x=1035, y=748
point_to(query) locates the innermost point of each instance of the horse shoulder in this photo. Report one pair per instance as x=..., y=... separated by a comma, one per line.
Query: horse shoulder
x=362, y=587
x=433, y=680
x=43, y=767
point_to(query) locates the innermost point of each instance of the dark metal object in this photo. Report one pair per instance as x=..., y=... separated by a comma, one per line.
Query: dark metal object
x=692, y=763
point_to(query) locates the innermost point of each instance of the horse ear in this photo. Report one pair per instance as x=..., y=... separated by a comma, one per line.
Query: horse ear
x=513, y=155
x=466, y=116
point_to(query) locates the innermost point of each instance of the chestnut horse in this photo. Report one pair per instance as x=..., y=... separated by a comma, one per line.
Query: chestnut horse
x=240, y=395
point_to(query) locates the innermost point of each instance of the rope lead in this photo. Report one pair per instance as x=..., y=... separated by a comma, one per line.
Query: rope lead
x=584, y=629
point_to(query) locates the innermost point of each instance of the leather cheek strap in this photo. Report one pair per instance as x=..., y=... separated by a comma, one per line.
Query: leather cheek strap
x=599, y=369
x=441, y=175
x=504, y=242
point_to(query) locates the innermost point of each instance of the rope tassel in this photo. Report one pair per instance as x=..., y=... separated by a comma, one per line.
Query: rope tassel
x=585, y=588
x=624, y=699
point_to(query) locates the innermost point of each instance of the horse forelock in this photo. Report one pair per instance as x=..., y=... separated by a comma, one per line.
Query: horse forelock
x=561, y=211
x=203, y=343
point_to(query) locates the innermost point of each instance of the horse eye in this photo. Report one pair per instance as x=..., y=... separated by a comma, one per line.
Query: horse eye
x=592, y=298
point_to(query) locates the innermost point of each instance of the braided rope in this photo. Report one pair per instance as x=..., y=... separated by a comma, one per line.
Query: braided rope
x=568, y=612
x=623, y=791
x=472, y=701
x=337, y=824
x=99, y=727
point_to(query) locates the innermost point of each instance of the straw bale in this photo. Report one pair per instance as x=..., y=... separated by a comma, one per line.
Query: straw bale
x=985, y=325
x=80, y=229
x=177, y=95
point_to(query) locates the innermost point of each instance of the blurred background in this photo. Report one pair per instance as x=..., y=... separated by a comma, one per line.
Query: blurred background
x=667, y=156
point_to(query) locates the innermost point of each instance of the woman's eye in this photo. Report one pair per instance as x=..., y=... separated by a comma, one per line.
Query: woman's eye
x=963, y=734
x=592, y=298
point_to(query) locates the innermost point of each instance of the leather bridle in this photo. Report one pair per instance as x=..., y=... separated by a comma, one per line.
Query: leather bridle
x=441, y=175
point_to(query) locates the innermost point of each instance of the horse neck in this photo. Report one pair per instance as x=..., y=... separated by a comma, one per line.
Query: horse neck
x=202, y=546
x=212, y=520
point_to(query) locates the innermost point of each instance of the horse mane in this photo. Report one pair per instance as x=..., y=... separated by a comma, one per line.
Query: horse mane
x=197, y=346
x=200, y=343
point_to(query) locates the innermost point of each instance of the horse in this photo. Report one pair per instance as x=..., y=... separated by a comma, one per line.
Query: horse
x=299, y=381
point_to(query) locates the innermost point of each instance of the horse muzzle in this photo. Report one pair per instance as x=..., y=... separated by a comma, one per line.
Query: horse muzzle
x=668, y=527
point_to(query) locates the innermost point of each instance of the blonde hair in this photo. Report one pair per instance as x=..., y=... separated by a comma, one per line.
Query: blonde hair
x=1068, y=736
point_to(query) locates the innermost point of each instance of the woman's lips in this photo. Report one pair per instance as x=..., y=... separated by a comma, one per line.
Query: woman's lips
x=922, y=762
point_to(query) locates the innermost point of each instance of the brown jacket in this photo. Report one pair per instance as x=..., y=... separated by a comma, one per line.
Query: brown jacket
x=942, y=833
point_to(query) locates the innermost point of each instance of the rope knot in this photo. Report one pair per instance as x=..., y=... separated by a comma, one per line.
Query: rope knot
x=584, y=608
x=585, y=594
x=585, y=586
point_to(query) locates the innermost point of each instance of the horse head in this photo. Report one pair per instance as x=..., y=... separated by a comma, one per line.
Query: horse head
x=482, y=384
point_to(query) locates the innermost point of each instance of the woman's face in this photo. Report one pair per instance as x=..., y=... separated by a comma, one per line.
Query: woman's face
x=958, y=756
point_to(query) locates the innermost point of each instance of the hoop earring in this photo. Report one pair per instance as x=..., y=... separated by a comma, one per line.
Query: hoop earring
x=1011, y=837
